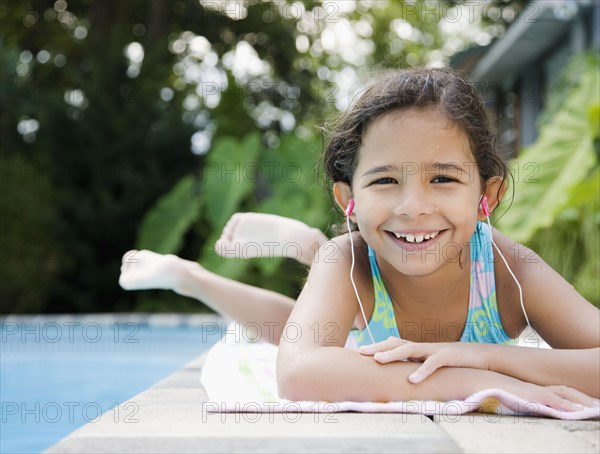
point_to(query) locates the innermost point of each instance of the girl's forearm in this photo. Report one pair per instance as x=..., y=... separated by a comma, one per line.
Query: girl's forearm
x=579, y=369
x=337, y=374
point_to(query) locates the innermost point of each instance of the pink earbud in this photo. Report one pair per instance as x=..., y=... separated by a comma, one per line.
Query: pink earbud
x=485, y=207
x=349, y=208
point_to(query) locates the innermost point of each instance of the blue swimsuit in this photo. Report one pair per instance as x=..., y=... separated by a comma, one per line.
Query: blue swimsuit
x=483, y=320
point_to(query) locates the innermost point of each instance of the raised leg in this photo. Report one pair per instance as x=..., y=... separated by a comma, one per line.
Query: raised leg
x=264, y=312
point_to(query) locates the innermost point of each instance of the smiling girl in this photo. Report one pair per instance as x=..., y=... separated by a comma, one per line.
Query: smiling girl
x=414, y=167
x=421, y=275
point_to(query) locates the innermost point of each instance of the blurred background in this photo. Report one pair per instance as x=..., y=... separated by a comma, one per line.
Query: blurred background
x=147, y=123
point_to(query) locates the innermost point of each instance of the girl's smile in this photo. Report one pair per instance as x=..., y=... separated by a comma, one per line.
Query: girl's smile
x=416, y=240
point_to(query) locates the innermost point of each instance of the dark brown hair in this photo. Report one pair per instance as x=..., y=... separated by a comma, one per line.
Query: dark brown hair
x=440, y=88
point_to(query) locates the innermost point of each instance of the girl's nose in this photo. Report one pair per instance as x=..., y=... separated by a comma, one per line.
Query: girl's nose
x=414, y=203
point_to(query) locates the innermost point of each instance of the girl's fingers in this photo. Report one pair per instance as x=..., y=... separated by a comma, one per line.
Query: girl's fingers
x=574, y=395
x=563, y=398
x=404, y=352
x=564, y=404
x=428, y=367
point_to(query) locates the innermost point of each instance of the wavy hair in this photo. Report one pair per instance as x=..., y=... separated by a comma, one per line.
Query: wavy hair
x=440, y=88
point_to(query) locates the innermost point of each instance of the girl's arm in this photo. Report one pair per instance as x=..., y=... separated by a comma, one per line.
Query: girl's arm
x=313, y=365
x=561, y=316
x=557, y=312
x=336, y=374
x=574, y=368
x=579, y=368
x=555, y=309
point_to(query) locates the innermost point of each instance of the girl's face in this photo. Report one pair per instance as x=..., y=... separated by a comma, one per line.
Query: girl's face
x=417, y=191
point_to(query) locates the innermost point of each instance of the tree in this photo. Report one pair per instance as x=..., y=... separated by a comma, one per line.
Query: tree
x=102, y=101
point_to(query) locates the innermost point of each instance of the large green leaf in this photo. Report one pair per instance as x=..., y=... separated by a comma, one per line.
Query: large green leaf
x=550, y=169
x=165, y=224
x=297, y=190
x=587, y=192
x=229, y=175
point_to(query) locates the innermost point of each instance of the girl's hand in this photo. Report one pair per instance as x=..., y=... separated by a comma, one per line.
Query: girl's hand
x=561, y=398
x=473, y=355
x=432, y=355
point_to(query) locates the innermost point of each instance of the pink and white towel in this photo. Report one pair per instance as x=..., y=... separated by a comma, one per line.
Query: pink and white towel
x=240, y=377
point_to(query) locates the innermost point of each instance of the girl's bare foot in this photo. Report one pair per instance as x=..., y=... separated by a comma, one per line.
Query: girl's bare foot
x=143, y=270
x=251, y=235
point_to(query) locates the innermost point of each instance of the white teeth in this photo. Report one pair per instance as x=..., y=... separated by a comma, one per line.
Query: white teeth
x=418, y=238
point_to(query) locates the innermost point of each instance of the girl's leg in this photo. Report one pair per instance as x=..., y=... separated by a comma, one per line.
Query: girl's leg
x=250, y=235
x=262, y=311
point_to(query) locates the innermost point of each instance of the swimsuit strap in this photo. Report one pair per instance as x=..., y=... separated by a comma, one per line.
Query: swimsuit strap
x=383, y=321
x=483, y=319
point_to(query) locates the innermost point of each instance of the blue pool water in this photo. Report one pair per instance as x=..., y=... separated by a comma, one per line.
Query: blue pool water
x=58, y=374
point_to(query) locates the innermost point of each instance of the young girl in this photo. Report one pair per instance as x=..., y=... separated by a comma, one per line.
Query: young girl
x=415, y=170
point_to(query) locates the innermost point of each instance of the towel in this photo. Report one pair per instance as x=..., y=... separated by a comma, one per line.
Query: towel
x=239, y=376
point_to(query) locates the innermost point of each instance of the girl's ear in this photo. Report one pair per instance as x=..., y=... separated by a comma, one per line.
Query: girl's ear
x=342, y=194
x=495, y=188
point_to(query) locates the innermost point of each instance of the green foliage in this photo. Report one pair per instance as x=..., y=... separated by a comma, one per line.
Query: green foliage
x=228, y=177
x=105, y=140
x=238, y=176
x=31, y=256
x=297, y=188
x=556, y=209
x=114, y=134
x=562, y=158
x=163, y=227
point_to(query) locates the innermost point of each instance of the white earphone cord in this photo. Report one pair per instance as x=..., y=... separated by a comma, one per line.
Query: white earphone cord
x=362, y=310
x=510, y=271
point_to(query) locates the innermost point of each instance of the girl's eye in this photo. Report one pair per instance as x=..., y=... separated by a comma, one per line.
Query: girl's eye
x=442, y=179
x=385, y=180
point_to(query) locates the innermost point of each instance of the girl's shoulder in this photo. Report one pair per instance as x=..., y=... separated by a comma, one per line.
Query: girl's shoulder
x=507, y=292
x=523, y=261
x=554, y=308
x=340, y=248
x=337, y=255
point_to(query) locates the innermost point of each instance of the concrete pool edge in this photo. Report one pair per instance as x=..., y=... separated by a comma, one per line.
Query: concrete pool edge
x=170, y=416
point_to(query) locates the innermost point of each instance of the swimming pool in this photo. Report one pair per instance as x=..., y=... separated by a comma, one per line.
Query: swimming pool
x=59, y=373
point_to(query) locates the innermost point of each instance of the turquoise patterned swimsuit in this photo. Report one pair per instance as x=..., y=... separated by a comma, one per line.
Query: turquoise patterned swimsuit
x=483, y=320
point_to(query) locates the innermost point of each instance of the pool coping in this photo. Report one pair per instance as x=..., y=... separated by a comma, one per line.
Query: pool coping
x=171, y=416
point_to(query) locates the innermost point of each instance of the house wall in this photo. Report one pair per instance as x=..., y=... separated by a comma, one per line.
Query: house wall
x=516, y=102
